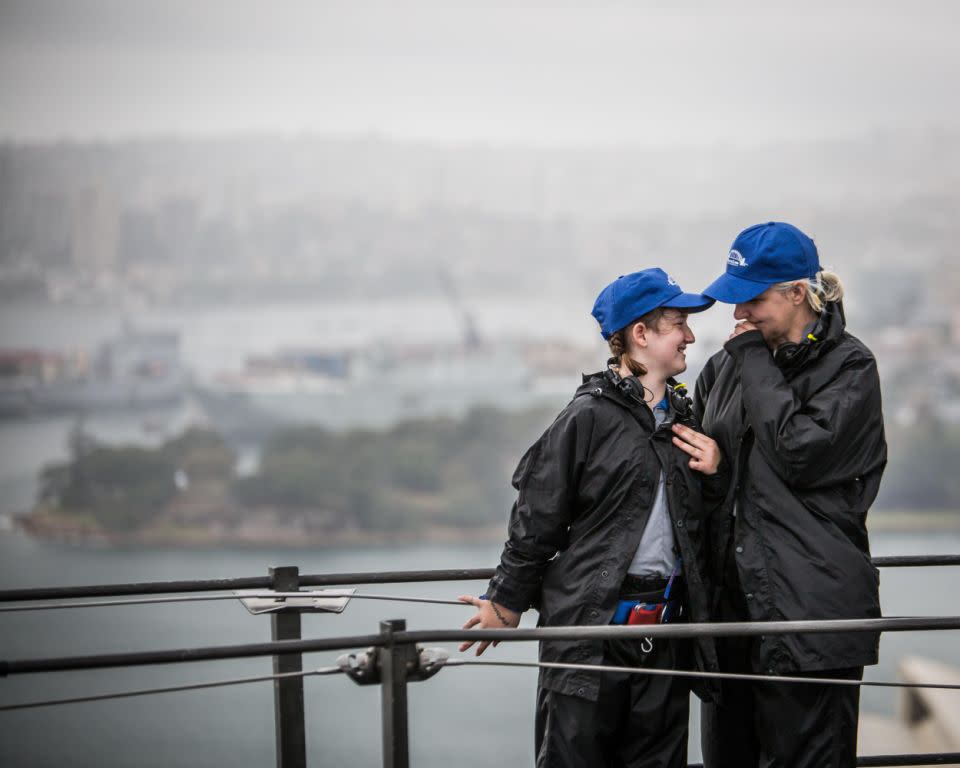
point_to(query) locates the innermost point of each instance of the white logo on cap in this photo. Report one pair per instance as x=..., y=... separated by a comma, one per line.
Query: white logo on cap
x=671, y=281
x=735, y=259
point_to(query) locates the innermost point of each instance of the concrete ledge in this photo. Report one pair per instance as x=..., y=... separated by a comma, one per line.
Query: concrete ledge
x=928, y=719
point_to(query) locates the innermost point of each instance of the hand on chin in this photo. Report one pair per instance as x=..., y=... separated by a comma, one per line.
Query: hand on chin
x=743, y=326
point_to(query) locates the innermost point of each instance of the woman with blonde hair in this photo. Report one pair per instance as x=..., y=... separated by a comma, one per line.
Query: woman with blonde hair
x=793, y=399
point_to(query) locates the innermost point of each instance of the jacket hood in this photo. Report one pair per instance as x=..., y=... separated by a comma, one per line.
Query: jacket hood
x=825, y=334
x=599, y=384
x=832, y=322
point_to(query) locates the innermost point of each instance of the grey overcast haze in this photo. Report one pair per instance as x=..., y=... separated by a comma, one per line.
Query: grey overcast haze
x=494, y=72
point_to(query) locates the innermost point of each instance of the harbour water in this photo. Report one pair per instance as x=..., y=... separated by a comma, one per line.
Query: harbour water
x=463, y=716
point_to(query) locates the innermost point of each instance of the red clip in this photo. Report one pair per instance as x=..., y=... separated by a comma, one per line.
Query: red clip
x=646, y=613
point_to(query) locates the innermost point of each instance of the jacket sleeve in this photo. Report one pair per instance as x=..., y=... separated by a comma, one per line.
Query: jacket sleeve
x=546, y=479
x=702, y=390
x=817, y=442
x=715, y=486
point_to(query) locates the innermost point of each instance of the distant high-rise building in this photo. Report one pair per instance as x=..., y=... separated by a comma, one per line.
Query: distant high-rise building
x=943, y=289
x=95, y=233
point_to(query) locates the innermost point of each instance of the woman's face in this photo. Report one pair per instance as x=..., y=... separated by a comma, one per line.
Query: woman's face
x=775, y=313
x=667, y=343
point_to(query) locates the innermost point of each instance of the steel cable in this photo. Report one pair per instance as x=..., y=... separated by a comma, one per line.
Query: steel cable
x=204, y=598
x=169, y=689
x=694, y=674
x=489, y=663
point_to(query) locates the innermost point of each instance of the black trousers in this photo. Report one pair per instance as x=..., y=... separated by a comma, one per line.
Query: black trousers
x=639, y=721
x=780, y=725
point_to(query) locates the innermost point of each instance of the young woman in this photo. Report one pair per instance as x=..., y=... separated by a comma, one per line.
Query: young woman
x=608, y=528
x=794, y=401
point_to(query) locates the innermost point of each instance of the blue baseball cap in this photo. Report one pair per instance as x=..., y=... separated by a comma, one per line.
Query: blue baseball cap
x=761, y=256
x=630, y=297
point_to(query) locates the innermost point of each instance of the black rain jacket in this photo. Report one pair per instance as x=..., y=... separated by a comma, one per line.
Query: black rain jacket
x=585, y=492
x=807, y=447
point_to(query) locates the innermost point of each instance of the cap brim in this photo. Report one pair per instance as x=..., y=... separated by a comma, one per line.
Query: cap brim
x=689, y=302
x=731, y=289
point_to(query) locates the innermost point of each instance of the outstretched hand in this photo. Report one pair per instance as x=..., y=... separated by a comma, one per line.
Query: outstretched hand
x=489, y=615
x=704, y=452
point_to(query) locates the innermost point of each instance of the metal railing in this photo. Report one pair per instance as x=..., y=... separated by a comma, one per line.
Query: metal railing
x=395, y=659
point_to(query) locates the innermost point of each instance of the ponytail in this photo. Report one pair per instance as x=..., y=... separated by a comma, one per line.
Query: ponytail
x=620, y=357
x=823, y=288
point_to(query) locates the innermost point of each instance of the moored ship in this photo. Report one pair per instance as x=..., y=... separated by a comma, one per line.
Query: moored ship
x=134, y=370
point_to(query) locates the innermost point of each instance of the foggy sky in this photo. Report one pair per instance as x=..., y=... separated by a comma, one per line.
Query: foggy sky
x=519, y=72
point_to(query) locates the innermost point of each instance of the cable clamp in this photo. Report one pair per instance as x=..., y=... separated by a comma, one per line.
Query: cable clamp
x=432, y=660
x=365, y=667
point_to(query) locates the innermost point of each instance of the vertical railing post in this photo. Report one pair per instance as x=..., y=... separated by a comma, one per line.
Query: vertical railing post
x=395, y=661
x=288, y=692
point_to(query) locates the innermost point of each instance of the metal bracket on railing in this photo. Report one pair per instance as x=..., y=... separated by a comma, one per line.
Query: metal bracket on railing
x=432, y=661
x=364, y=668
